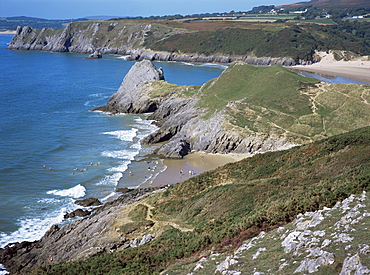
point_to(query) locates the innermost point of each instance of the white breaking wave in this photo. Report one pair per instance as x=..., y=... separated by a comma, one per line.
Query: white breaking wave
x=75, y=192
x=120, y=154
x=111, y=180
x=125, y=135
x=33, y=229
x=2, y=270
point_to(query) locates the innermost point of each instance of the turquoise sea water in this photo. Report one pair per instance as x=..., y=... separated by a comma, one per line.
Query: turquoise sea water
x=47, y=130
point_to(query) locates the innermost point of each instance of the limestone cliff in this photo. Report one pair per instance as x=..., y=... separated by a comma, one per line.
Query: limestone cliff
x=245, y=110
x=129, y=38
x=181, y=121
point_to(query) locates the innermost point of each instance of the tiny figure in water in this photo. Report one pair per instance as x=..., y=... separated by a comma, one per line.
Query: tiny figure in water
x=91, y=164
x=131, y=174
x=44, y=166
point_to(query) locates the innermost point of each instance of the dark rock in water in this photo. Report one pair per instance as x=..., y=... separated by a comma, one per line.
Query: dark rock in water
x=123, y=190
x=95, y=55
x=88, y=202
x=77, y=213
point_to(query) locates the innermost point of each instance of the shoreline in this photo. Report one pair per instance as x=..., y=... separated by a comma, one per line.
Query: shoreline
x=358, y=70
x=8, y=32
x=192, y=165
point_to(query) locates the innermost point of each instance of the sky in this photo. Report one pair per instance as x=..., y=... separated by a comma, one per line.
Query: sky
x=70, y=9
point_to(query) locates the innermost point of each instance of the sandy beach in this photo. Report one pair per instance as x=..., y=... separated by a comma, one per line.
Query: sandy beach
x=192, y=165
x=358, y=69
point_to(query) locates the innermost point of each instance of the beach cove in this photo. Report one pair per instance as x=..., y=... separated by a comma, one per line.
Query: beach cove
x=48, y=131
x=126, y=155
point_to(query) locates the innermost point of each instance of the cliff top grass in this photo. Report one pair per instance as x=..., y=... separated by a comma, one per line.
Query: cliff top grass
x=273, y=86
x=276, y=100
x=237, y=201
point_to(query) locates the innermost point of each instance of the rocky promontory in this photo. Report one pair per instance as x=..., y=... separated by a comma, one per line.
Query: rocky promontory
x=236, y=112
x=127, y=38
x=181, y=122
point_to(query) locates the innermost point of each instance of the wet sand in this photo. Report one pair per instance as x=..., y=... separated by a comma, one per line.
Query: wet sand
x=358, y=70
x=196, y=163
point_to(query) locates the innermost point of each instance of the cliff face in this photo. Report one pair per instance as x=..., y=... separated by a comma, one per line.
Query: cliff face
x=181, y=121
x=128, y=38
x=246, y=109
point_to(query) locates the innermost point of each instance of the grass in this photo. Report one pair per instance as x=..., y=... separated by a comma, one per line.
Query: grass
x=275, y=100
x=235, y=202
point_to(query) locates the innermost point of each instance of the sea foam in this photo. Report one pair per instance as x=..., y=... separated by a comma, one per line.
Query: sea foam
x=124, y=135
x=75, y=192
x=33, y=229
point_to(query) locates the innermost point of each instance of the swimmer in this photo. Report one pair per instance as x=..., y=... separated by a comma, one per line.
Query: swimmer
x=131, y=174
x=91, y=164
x=44, y=166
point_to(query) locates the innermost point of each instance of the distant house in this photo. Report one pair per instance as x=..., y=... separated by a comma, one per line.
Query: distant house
x=297, y=12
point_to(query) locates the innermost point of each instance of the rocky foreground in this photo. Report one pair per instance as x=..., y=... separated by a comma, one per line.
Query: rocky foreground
x=84, y=238
x=336, y=236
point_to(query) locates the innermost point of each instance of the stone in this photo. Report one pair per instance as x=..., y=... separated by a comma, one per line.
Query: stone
x=123, y=190
x=353, y=263
x=95, y=55
x=132, y=96
x=88, y=202
x=77, y=213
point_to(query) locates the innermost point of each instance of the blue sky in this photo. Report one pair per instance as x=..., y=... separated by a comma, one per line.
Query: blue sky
x=65, y=9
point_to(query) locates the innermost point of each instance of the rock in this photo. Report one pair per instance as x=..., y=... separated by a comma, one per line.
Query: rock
x=146, y=239
x=95, y=55
x=81, y=239
x=88, y=202
x=353, y=263
x=124, y=190
x=77, y=213
x=312, y=265
x=131, y=96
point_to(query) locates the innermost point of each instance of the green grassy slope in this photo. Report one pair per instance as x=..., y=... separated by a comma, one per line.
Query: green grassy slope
x=261, y=40
x=235, y=202
x=276, y=100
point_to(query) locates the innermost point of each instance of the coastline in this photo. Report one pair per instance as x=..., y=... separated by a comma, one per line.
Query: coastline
x=192, y=165
x=8, y=32
x=358, y=70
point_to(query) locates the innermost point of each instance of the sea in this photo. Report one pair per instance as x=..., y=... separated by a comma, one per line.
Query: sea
x=54, y=149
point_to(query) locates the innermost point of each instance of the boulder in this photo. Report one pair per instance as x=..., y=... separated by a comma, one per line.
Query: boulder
x=88, y=202
x=77, y=213
x=95, y=55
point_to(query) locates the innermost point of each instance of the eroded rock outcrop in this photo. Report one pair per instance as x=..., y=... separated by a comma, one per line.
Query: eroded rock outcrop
x=132, y=96
x=82, y=239
x=327, y=241
x=181, y=121
x=123, y=38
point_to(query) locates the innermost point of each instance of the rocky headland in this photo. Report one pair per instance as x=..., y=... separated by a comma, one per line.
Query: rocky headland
x=220, y=118
x=126, y=38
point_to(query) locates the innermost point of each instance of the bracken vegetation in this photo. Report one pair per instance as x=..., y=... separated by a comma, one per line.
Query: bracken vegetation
x=226, y=206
